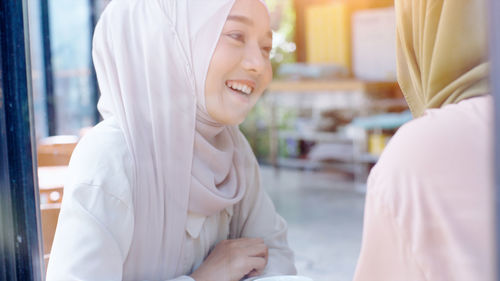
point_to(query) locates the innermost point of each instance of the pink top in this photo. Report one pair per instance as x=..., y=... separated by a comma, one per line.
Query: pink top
x=429, y=202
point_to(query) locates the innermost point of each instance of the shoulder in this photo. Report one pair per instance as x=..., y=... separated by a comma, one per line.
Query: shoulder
x=102, y=159
x=446, y=146
x=434, y=181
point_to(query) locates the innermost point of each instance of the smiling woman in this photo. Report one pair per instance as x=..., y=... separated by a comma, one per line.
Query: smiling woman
x=240, y=69
x=167, y=187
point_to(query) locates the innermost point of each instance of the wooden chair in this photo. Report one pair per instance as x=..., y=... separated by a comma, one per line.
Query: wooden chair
x=51, y=182
x=56, y=150
x=50, y=215
x=51, y=195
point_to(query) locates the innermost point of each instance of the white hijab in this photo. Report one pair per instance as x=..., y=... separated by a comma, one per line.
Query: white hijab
x=151, y=59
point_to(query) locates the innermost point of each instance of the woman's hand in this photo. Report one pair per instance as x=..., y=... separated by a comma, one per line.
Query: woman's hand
x=232, y=260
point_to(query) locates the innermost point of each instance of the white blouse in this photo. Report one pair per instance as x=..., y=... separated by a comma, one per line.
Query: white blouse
x=95, y=227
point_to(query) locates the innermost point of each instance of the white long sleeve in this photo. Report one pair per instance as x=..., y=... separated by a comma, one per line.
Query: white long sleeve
x=95, y=226
x=93, y=235
x=96, y=222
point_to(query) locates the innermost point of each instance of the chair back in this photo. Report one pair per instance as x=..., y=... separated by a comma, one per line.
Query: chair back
x=50, y=215
x=56, y=150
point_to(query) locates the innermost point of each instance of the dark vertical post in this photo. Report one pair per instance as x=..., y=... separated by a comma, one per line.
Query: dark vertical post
x=20, y=247
x=93, y=77
x=7, y=254
x=49, y=74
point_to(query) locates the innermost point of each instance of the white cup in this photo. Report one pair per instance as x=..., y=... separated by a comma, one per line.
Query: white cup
x=285, y=278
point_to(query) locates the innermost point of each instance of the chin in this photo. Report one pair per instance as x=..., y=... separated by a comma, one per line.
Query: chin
x=235, y=120
x=229, y=116
x=228, y=120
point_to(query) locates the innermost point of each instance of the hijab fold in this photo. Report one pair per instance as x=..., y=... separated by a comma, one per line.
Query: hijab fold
x=442, y=51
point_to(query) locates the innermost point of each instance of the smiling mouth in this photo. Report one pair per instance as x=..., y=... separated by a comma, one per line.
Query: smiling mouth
x=240, y=87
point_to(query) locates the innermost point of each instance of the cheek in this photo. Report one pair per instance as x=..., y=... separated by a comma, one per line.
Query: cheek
x=225, y=57
x=217, y=72
x=268, y=74
x=266, y=77
x=222, y=64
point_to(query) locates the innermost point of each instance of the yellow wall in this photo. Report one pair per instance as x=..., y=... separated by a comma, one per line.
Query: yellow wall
x=328, y=30
x=328, y=34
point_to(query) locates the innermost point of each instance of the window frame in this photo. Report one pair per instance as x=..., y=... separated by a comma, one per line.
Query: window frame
x=20, y=234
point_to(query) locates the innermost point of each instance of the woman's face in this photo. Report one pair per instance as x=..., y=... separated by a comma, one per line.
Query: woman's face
x=240, y=68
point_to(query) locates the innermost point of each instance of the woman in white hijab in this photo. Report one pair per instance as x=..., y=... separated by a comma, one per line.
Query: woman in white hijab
x=167, y=186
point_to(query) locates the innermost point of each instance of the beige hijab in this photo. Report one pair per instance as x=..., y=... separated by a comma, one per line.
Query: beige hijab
x=442, y=51
x=151, y=59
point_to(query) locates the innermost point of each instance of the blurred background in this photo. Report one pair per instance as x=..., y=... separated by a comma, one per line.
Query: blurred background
x=317, y=131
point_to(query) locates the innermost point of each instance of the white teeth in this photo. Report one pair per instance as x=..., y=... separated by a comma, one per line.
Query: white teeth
x=240, y=87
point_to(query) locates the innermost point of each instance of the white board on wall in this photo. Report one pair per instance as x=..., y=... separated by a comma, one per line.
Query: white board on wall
x=374, y=44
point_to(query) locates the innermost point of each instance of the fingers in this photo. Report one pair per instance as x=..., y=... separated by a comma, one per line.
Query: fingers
x=255, y=266
x=258, y=250
x=257, y=260
x=253, y=247
x=246, y=255
x=253, y=273
x=246, y=242
x=258, y=271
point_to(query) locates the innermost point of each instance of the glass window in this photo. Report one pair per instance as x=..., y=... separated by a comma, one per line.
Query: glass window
x=37, y=69
x=71, y=63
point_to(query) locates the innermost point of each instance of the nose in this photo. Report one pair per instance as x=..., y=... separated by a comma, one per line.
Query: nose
x=253, y=60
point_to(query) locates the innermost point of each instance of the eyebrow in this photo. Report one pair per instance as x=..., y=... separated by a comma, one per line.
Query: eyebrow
x=247, y=21
x=242, y=19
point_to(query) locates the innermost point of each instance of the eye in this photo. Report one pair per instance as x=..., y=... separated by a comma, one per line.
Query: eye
x=237, y=36
x=266, y=50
